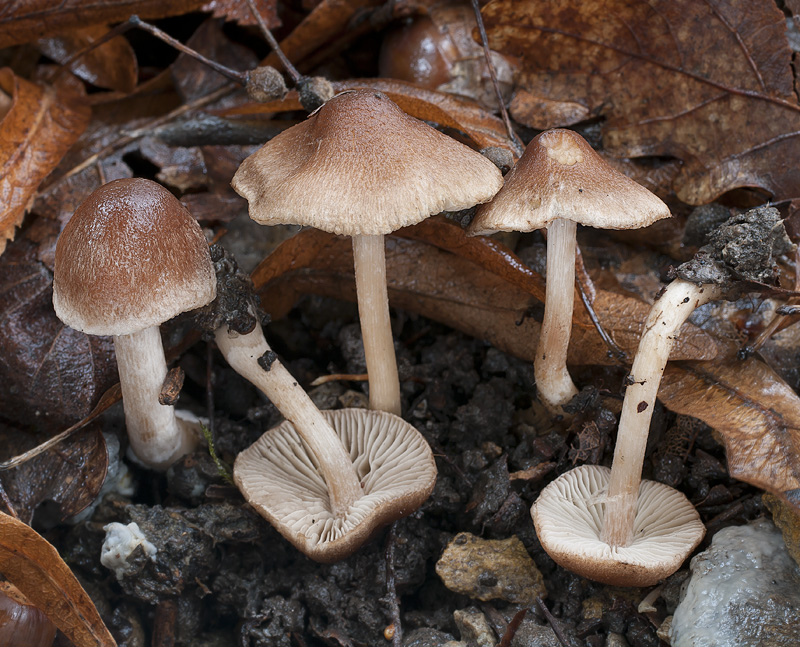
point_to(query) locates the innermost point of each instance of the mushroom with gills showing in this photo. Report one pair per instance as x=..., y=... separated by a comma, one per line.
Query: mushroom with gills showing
x=558, y=182
x=129, y=259
x=627, y=531
x=352, y=473
x=280, y=478
x=360, y=166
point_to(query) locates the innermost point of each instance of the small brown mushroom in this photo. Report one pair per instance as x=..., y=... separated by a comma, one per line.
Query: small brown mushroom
x=360, y=166
x=558, y=182
x=279, y=477
x=129, y=259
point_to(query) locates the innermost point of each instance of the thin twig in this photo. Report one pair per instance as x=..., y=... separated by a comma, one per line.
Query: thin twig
x=233, y=75
x=210, y=387
x=133, y=135
x=487, y=53
x=113, y=395
x=391, y=589
x=291, y=70
x=7, y=502
x=340, y=377
x=554, y=624
x=587, y=292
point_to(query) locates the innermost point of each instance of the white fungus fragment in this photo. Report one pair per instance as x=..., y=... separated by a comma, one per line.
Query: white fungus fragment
x=120, y=543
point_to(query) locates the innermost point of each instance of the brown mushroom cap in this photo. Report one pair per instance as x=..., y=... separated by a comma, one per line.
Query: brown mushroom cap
x=561, y=176
x=280, y=479
x=568, y=516
x=360, y=165
x=130, y=257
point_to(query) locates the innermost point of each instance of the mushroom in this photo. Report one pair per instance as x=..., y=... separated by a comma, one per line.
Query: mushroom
x=232, y=320
x=667, y=315
x=335, y=456
x=129, y=259
x=360, y=166
x=627, y=531
x=568, y=516
x=558, y=182
x=280, y=478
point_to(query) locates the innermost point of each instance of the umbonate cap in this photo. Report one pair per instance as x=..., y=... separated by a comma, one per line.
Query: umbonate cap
x=360, y=165
x=281, y=480
x=130, y=257
x=568, y=517
x=561, y=176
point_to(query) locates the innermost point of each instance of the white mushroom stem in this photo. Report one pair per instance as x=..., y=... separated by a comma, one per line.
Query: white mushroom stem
x=158, y=438
x=553, y=382
x=666, y=317
x=369, y=258
x=242, y=353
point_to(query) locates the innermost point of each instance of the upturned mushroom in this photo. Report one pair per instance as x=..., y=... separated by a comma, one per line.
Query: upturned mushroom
x=568, y=517
x=325, y=480
x=360, y=166
x=129, y=259
x=559, y=182
x=281, y=479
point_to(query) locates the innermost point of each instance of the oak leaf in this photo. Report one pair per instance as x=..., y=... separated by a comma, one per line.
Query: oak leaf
x=709, y=83
x=38, y=127
x=33, y=565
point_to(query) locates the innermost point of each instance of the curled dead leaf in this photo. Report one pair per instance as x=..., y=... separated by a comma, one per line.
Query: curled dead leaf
x=24, y=22
x=38, y=127
x=447, y=110
x=472, y=284
x=34, y=566
x=111, y=65
x=756, y=414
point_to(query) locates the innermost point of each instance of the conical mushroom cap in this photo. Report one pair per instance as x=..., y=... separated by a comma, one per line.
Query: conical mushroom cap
x=561, y=176
x=568, y=516
x=360, y=165
x=281, y=480
x=131, y=257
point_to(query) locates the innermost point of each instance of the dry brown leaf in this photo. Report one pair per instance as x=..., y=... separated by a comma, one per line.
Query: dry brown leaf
x=52, y=375
x=39, y=126
x=111, y=65
x=34, y=566
x=447, y=110
x=472, y=284
x=709, y=83
x=238, y=11
x=24, y=21
x=326, y=21
x=755, y=412
x=70, y=475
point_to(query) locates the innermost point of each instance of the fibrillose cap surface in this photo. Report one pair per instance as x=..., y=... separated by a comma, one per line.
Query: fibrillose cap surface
x=130, y=257
x=360, y=165
x=568, y=517
x=280, y=479
x=561, y=176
